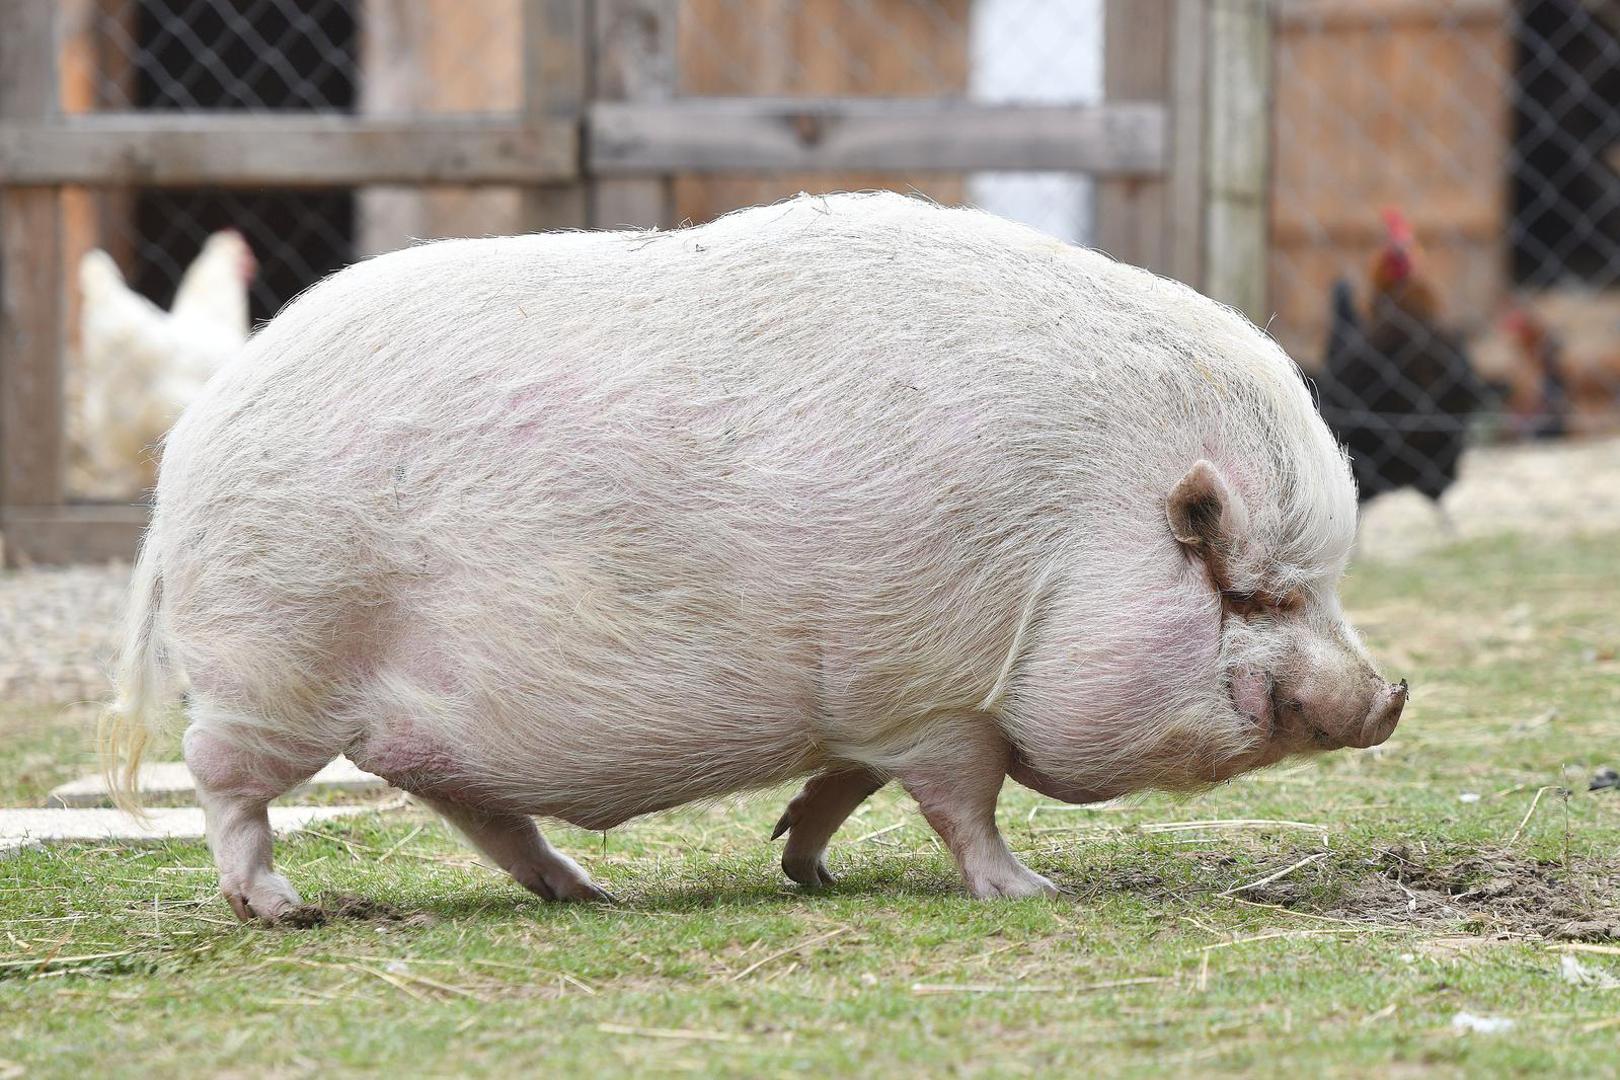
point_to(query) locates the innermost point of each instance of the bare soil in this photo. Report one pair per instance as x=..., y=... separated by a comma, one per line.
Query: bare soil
x=1494, y=891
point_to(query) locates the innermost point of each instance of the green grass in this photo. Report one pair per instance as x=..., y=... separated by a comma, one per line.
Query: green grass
x=122, y=959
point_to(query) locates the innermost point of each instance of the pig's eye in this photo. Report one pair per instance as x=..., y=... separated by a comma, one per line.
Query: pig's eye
x=1241, y=602
x=1244, y=602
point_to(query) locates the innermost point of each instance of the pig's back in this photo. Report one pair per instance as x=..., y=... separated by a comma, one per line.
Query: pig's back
x=770, y=354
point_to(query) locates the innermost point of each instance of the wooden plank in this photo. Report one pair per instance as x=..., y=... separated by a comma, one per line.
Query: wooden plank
x=1340, y=14
x=556, y=58
x=68, y=534
x=31, y=330
x=750, y=135
x=819, y=48
x=1132, y=222
x=282, y=150
x=1237, y=145
x=634, y=60
x=31, y=432
x=1358, y=125
x=1189, y=90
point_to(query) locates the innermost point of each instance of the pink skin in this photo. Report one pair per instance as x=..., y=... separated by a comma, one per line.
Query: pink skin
x=510, y=839
x=956, y=785
x=235, y=787
x=411, y=761
x=1251, y=694
x=828, y=799
x=955, y=776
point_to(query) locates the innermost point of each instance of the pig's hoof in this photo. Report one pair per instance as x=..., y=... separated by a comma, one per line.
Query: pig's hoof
x=589, y=891
x=560, y=878
x=807, y=868
x=268, y=897
x=1016, y=882
x=574, y=890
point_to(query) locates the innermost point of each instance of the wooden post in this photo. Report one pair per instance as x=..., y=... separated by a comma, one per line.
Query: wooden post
x=1131, y=212
x=1204, y=221
x=556, y=63
x=31, y=281
x=1238, y=140
x=1188, y=135
x=633, y=59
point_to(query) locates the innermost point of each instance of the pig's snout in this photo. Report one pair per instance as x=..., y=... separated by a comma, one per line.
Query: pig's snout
x=1382, y=717
x=1330, y=717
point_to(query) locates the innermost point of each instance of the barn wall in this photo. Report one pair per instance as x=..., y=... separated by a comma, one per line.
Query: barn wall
x=417, y=58
x=438, y=56
x=1388, y=103
x=805, y=48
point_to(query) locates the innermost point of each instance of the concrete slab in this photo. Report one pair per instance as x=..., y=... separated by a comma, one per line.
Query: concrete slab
x=30, y=828
x=168, y=779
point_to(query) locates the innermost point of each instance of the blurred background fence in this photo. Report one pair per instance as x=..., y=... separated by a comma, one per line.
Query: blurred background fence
x=1449, y=165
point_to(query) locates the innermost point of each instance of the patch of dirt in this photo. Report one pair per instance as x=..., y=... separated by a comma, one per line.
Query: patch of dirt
x=1491, y=891
x=346, y=907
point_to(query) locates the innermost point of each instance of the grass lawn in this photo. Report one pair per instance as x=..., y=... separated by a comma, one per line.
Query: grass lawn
x=1443, y=873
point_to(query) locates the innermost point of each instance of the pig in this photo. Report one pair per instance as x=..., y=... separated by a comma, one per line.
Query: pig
x=853, y=488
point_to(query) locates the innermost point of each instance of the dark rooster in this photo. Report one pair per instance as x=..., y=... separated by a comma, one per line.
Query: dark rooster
x=1398, y=390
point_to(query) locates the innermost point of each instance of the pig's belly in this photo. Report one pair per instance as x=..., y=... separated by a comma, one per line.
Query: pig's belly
x=594, y=785
x=591, y=739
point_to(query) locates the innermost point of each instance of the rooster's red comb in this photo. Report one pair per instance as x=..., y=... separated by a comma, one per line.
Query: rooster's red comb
x=1397, y=227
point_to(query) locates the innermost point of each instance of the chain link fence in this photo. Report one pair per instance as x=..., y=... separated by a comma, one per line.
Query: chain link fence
x=1444, y=211
x=1445, y=250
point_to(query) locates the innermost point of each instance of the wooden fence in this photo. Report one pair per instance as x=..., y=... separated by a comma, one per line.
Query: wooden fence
x=1178, y=147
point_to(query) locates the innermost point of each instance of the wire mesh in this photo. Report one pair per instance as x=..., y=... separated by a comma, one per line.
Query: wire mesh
x=381, y=57
x=1444, y=212
x=1444, y=224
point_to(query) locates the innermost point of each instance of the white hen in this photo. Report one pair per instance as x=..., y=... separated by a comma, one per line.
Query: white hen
x=140, y=365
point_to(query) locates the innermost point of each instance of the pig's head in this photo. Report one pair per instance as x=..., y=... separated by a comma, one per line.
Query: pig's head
x=1214, y=644
x=1291, y=665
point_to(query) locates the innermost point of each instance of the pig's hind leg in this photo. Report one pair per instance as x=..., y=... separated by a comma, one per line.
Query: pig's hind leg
x=235, y=784
x=513, y=842
x=815, y=813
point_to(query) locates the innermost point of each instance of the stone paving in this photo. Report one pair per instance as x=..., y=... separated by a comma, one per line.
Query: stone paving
x=166, y=780
x=32, y=828
x=80, y=810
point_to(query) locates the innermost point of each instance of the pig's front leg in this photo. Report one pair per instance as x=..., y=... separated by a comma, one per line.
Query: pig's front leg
x=815, y=813
x=956, y=786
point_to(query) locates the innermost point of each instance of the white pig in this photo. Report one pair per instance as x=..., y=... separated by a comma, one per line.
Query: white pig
x=587, y=525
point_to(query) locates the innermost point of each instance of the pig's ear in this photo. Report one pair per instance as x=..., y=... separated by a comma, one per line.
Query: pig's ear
x=1205, y=517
